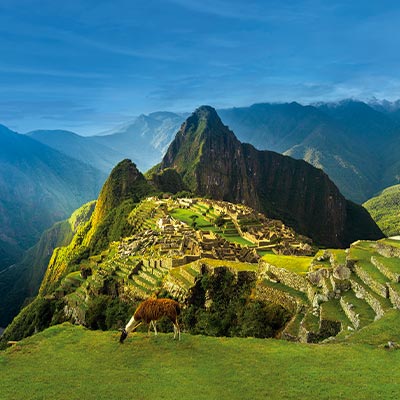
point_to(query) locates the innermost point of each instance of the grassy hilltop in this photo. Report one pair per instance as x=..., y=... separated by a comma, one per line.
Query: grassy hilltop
x=69, y=362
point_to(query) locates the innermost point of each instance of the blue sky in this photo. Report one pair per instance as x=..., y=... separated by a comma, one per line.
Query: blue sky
x=90, y=65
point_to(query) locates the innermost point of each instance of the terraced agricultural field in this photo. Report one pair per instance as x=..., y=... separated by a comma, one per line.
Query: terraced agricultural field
x=392, y=242
x=298, y=264
x=185, y=215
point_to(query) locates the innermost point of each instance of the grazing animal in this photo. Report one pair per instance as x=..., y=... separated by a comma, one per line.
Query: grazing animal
x=151, y=310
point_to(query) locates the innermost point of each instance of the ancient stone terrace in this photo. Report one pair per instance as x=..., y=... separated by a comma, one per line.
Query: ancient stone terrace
x=265, y=234
x=178, y=241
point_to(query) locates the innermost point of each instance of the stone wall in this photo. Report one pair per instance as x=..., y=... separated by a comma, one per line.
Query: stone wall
x=288, y=278
x=394, y=296
x=174, y=288
x=387, y=250
x=393, y=276
x=280, y=297
x=377, y=287
x=339, y=286
x=362, y=293
x=350, y=312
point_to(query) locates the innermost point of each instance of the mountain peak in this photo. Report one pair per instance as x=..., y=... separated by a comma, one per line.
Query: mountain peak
x=125, y=182
x=205, y=111
x=204, y=116
x=212, y=162
x=201, y=133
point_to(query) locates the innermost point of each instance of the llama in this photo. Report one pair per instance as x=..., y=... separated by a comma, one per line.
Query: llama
x=151, y=310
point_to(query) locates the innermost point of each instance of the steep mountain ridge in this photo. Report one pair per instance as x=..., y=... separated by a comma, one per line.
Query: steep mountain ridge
x=212, y=162
x=22, y=281
x=125, y=186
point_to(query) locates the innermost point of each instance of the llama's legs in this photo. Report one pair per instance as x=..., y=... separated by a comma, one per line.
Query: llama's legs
x=154, y=326
x=177, y=330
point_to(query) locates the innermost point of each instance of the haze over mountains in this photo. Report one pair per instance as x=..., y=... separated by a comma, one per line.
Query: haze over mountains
x=38, y=186
x=144, y=140
x=355, y=143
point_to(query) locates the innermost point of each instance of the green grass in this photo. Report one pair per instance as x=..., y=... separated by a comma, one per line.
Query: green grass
x=361, y=307
x=185, y=215
x=391, y=263
x=385, y=303
x=340, y=255
x=311, y=322
x=391, y=242
x=237, y=239
x=380, y=332
x=176, y=273
x=204, y=224
x=331, y=310
x=298, y=264
x=324, y=263
x=71, y=363
x=384, y=209
x=362, y=253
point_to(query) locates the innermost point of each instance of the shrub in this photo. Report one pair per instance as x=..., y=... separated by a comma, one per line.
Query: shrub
x=221, y=306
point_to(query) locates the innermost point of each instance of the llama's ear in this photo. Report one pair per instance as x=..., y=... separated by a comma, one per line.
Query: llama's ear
x=121, y=329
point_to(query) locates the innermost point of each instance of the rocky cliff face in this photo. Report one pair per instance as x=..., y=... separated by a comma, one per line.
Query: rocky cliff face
x=214, y=163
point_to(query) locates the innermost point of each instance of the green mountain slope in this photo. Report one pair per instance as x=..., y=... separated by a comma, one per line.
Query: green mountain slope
x=385, y=210
x=38, y=186
x=22, y=281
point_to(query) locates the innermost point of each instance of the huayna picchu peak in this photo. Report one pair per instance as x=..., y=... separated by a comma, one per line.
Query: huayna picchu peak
x=213, y=163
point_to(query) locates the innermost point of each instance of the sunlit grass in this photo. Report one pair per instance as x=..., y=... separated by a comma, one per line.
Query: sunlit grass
x=298, y=264
x=68, y=363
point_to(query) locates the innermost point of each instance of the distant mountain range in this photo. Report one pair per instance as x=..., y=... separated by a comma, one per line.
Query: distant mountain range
x=144, y=140
x=355, y=143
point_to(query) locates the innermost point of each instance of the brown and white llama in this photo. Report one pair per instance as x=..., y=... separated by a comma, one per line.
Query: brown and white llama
x=149, y=312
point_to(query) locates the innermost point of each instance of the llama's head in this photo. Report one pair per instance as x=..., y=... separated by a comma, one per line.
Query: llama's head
x=124, y=334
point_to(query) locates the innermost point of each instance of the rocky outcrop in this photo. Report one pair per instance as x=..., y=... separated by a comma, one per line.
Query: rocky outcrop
x=214, y=163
